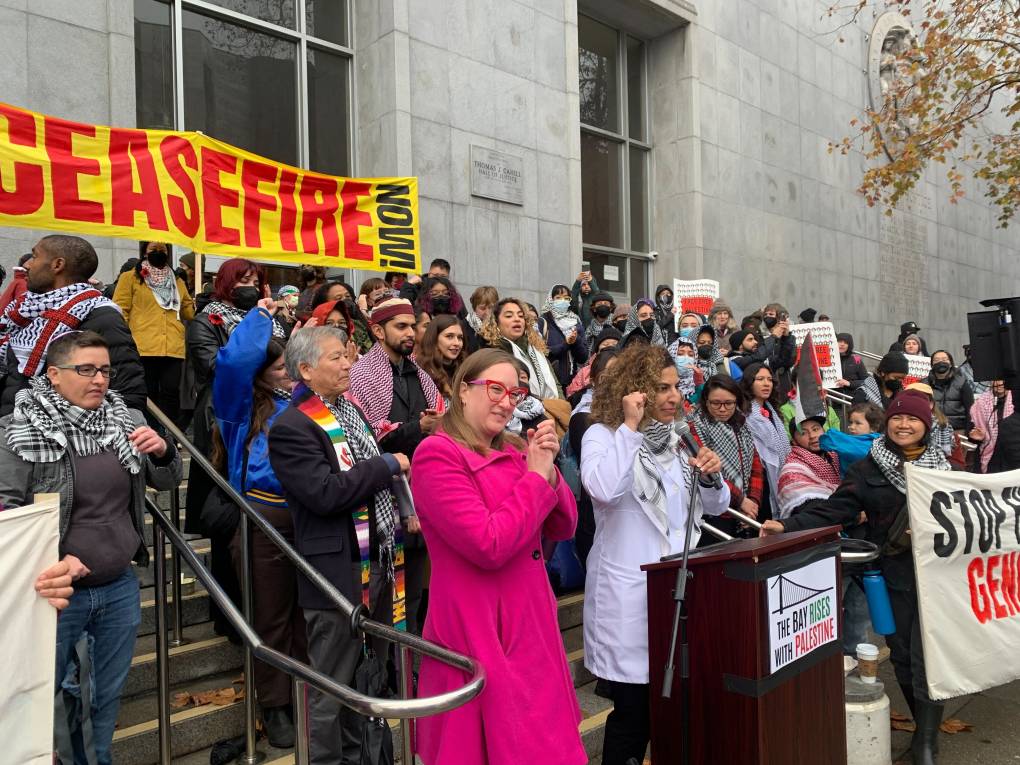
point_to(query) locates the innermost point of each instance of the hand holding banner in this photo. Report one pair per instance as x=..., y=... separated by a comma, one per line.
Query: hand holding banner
x=192, y=190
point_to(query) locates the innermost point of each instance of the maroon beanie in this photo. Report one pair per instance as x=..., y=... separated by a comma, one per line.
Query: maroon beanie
x=914, y=403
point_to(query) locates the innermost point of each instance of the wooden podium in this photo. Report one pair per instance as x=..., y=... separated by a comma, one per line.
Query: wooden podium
x=766, y=659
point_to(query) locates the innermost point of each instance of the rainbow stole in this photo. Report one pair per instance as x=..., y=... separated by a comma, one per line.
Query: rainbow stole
x=313, y=407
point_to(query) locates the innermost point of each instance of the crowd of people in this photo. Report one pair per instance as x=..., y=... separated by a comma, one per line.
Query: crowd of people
x=519, y=427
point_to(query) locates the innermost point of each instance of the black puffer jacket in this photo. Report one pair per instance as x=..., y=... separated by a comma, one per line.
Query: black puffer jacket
x=854, y=371
x=110, y=325
x=955, y=397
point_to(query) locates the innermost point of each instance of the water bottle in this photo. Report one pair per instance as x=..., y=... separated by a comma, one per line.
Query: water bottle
x=878, y=603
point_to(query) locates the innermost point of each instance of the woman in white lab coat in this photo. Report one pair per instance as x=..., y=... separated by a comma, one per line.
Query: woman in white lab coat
x=639, y=482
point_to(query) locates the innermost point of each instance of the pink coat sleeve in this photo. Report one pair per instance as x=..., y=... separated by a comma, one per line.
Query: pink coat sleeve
x=448, y=502
x=562, y=521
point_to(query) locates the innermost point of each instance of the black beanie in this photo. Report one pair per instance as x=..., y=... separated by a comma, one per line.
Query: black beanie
x=608, y=332
x=603, y=296
x=808, y=315
x=737, y=338
x=892, y=363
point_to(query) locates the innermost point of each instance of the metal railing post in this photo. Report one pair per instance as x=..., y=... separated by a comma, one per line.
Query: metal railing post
x=162, y=647
x=177, y=612
x=251, y=755
x=300, y=723
x=406, y=692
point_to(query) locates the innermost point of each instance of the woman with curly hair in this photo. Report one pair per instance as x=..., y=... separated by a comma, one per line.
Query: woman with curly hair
x=442, y=351
x=510, y=329
x=639, y=483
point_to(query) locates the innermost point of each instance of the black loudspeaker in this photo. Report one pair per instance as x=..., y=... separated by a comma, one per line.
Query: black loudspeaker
x=995, y=342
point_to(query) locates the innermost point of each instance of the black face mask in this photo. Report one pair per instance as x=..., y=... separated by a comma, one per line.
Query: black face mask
x=441, y=304
x=894, y=386
x=770, y=322
x=601, y=311
x=620, y=325
x=245, y=298
x=941, y=368
x=704, y=352
x=158, y=258
x=648, y=326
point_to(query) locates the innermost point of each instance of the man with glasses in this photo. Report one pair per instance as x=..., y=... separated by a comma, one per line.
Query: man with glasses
x=60, y=299
x=70, y=434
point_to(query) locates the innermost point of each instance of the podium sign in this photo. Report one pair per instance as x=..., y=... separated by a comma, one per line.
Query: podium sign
x=802, y=611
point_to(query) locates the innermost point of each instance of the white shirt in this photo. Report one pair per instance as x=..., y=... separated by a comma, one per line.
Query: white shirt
x=615, y=595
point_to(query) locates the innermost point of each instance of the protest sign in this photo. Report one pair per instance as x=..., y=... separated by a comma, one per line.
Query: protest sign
x=695, y=296
x=803, y=607
x=826, y=349
x=918, y=368
x=965, y=536
x=28, y=546
x=189, y=189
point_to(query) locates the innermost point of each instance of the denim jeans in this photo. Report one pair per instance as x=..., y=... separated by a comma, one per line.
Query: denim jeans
x=110, y=616
x=856, y=617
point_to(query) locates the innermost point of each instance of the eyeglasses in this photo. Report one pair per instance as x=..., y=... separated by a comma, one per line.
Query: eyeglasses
x=724, y=405
x=498, y=391
x=90, y=370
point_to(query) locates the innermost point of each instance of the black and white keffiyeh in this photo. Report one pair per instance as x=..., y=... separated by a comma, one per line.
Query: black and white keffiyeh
x=658, y=449
x=230, y=316
x=30, y=324
x=734, y=445
x=163, y=283
x=710, y=366
x=529, y=408
x=872, y=391
x=44, y=424
x=566, y=320
x=892, y=466
x=364, y=447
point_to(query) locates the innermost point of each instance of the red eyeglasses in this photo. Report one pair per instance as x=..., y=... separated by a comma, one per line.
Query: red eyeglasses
x=498, y=391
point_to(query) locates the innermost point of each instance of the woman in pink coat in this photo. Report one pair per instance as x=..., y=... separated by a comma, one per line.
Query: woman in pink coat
x=485, y=499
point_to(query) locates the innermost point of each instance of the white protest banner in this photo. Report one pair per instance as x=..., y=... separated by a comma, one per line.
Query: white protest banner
x=965, y=536
x=694, y=296
x=28, y=545
x=823, y=334
x=802, y=611
x=918, y=368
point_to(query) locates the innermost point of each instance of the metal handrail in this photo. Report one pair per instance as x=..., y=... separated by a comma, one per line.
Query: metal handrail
x=845, y=556
x=254, y=648
x=867, y=354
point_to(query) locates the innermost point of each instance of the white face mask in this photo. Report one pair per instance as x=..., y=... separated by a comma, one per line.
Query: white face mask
x=560, y=305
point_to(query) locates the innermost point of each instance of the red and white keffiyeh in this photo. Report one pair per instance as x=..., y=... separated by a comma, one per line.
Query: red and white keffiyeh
x=806, y=476
x=372, y=385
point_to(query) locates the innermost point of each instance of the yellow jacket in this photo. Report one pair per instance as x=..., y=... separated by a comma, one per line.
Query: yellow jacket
x=157, y=331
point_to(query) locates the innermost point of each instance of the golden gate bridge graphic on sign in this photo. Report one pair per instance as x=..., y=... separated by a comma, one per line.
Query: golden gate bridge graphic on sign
x=792, y=594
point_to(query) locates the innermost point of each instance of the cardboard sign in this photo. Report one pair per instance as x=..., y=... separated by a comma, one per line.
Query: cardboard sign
x=192, y=190
x=803, y=611
x=918, y=368
x=695, y=296
x=826, y=350
x=965, y=537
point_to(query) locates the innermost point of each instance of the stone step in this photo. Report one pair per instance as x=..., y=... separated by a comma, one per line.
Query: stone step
x=195, y=610
x=147, y=576
x=205, y=653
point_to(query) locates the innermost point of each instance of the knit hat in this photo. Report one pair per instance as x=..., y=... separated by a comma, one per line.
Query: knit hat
x=608, y=333
x=808, y=315
x=718, y=307
x=387, y=309
x=892, y=363
x=912, y=337
x=621, y=312
x=603, y=296
x=737, y=338
x=913, y=403
x=188, y=259
x=285, y=290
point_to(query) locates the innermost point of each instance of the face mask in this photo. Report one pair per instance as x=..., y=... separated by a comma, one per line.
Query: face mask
x=941, y=368
x=157, y=258
x=894, y=386
x=441, y=304
x=665, y=300
x=685, y=361
x=704, y=352
x=770, y=321
x=620, y=325
x=245, y=298
x=601, y=312
x=648, y=325
x=688, y=332
x=560, y=305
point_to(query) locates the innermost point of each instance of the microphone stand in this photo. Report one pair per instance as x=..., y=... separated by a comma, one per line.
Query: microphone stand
x=680, y=629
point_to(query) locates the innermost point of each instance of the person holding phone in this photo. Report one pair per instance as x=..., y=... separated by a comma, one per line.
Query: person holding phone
x=582, y=293
x=568, y=350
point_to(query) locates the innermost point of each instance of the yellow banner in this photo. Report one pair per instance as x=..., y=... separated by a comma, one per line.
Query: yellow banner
x=192, y=190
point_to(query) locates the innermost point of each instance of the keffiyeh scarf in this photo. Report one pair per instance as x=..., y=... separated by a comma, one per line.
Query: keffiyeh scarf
x=541, y=380
x=658, y=449
x=44, y=424
x=230, y=316
x=372, y=385
x=565, y=319
x=892, y=466
x=734, y=445
x=528, y=409
x=942, y=437
x=30, y=324
x=873, y=392
x=163, y=283
x=591, y=334
x=806, y=476
x=633, y=325
x=711, y=366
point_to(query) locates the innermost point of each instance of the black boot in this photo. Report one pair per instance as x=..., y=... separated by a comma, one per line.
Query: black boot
x=908, y=694
x=279, y=728
x=928, y=717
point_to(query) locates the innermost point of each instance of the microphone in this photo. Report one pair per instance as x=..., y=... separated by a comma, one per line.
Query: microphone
x=684, y=431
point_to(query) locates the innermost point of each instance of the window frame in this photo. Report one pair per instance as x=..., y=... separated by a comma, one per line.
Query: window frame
x=626, y=142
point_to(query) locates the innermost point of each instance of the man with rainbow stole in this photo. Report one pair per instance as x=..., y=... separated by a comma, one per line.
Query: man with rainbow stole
x=337, y=483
